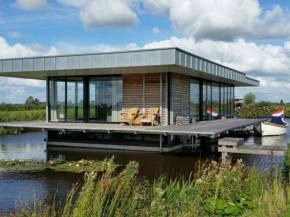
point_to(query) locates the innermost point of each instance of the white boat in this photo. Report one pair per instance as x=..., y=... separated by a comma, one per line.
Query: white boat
x=276, y=127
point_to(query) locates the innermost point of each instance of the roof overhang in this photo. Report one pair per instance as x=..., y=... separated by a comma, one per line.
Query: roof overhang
x=126, y=62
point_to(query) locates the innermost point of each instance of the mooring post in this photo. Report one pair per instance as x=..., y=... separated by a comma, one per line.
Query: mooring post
x=225, y=157
x=160, y=145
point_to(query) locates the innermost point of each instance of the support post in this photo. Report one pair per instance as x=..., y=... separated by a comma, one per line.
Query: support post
x=205, y=145
x=160, y=145
x=224, y=157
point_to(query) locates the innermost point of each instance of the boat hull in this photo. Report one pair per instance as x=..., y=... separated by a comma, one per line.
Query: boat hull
x=270, y=129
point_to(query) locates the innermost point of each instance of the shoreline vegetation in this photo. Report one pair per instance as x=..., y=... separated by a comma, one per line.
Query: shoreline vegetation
x=214, y=189
x=260, y=110
x=32, y=110
x=59, y=165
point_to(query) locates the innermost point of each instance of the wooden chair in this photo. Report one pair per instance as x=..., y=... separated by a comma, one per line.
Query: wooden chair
x=151, y=117
x=129, y=117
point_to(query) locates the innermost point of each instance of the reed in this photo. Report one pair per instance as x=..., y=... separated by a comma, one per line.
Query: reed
x=215, y=190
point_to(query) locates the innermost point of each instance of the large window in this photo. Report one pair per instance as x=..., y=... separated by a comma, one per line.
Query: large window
x=75, y=99
x=66, y=99
x=85, y=99
x=194, y=99
x=105, y=99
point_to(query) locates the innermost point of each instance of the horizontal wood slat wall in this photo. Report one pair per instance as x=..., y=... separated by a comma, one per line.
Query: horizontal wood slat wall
x=180, y=95
x=133, y=92
x=152, y=93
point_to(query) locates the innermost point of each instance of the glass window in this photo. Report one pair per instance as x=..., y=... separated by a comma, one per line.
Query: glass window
x=215, y=99
x=57, y=99
x=75, y=99
x=194, y=99
x=207, y=114
x=105, y=99
x=66, y=99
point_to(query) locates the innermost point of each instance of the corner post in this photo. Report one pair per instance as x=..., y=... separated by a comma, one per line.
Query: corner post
x=47, y=100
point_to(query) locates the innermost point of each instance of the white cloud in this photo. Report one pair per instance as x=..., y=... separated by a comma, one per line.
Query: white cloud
x=16, y=90
x=155, y=30
x=239, y=54
x=107, y=13
x=14, y=34
x=267, y=63
x=223, y=19
x=159, y=7
x=31, y=5
x=20, y=50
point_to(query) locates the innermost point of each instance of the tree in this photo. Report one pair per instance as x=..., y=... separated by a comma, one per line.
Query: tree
x=249, y=98
x=282, y=102
x=29, y=101
x=36, y=101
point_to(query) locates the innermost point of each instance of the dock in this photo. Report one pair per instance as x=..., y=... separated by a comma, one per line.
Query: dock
x=236, y=145
x=212, y=129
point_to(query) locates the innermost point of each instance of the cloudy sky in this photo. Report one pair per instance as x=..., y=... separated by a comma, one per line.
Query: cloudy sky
x=248, y=35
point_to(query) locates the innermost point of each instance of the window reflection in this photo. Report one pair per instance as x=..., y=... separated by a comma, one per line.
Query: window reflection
x=194, y=99
x=105, y=99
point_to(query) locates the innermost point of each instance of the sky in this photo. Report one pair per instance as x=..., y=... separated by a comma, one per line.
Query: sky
x=248, y=35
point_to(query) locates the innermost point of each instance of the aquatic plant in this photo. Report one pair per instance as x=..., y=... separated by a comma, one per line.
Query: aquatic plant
x=33, y=165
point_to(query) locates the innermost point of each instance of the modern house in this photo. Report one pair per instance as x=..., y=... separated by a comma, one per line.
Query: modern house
x=86, y=89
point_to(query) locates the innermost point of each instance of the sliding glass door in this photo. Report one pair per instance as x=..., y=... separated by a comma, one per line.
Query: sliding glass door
x=105, y=99
x=75, y=99
x=66, y=99
x=85, y=99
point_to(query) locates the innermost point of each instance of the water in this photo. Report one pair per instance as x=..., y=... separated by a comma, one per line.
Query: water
x=31, y=145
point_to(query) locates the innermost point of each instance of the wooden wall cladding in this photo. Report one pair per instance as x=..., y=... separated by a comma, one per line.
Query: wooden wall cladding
x=152, y=93
x=133, y=92
x=180, y=95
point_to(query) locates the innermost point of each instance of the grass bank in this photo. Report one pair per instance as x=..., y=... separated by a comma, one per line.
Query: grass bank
x=22, y=115
x=214, y=190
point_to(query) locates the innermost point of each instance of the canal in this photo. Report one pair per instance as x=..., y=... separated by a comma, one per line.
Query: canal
x=24, y=185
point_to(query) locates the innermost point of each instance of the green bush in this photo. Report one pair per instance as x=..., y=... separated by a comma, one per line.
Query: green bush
x=257, y=111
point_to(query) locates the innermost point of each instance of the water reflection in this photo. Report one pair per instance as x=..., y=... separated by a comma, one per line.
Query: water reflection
x=32, y=145
x=23, y=146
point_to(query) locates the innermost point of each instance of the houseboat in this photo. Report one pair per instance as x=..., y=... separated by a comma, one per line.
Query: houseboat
x=87, y=89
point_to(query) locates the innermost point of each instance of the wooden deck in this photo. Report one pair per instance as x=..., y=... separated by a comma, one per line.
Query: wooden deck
x=208, y=128
x=255, y=149
x=236, y=145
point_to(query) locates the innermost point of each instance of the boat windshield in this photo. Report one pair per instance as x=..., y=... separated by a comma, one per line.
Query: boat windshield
x=277, y=120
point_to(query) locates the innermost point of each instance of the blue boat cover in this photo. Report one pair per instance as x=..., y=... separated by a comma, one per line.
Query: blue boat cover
x=277, y=120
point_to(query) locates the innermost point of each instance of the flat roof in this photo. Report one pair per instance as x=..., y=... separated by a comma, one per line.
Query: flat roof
x=124, y=62
x=206, y=128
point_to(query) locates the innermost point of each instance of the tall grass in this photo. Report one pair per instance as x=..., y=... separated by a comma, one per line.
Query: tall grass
x=28, y=115
x=215, y=190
